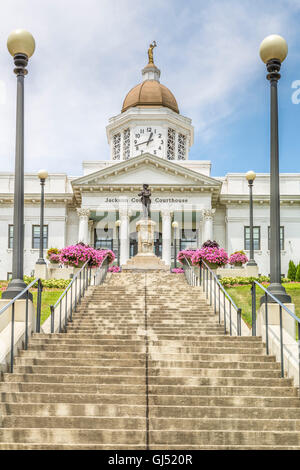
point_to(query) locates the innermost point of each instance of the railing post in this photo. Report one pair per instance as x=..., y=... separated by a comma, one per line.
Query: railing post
x=239, y=321
x=12, y=338
x=267, y=323
x=224, y=309
x=52, y=318
x=39, y=306
x=299, y=353
x=80, y=287
x=253, y=291
x=210, y=289
x=60, y=317
x=219, y=305
x=230, y=322
x=26, y=322
x=215, y=297
x=66, y=312
x=71, y=306
x=281, y=341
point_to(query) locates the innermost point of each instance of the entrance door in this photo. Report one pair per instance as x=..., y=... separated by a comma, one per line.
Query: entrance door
x=158, y=244
x=133, y=245
x=103, y=238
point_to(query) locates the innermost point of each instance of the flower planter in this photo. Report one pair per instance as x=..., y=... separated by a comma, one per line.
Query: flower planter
x=238, y=265
x=212, y=266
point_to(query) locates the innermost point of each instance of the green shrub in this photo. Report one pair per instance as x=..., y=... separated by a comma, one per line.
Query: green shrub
x=292, y=271
x=49, y=283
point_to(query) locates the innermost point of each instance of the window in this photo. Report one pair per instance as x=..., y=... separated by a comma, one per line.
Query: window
x=116, y=146
x=126, y=144
x=36, y=236
x=256, y=238
x=281, y=238
x=10, y=236
x=181, y=146
x=171, y=144
x=9, y=276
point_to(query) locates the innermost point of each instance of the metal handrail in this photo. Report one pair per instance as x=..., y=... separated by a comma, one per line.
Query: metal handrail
x=11, y=304
x=104, y=264
x=281, y=306
x=203, y=281
x=84, y=276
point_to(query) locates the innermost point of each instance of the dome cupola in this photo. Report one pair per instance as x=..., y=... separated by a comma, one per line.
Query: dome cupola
x=150, y=93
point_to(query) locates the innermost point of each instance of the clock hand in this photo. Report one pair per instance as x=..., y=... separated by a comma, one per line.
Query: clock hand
x=146, y=142
x=150, y=138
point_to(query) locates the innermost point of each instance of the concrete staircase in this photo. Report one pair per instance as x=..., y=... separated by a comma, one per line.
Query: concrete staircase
x=145, y=364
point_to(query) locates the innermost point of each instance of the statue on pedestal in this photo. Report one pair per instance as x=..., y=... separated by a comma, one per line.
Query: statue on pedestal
x=150, y=52
x=146, y=201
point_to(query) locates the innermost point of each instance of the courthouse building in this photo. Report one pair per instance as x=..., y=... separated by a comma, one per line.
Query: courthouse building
x=149, y=142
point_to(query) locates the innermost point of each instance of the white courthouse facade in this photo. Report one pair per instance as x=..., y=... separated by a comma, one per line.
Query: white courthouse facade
x=149, y=142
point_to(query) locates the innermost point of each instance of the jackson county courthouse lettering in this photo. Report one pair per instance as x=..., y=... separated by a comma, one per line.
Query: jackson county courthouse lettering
x=149, y=142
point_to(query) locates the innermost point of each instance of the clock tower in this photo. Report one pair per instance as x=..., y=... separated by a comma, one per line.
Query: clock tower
x=150, y=121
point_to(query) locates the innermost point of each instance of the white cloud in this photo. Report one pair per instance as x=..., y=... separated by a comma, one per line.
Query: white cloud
x=90, y=53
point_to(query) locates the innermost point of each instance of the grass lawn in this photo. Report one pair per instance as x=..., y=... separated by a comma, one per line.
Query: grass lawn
x=49, y=297
x=242, y=297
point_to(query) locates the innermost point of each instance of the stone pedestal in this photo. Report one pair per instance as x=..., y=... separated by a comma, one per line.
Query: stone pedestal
x=41, y=271
x=145, y=260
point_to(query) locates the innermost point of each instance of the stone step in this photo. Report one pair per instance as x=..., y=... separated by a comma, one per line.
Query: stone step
x=154, y=389
x=155, y=424
x=101, y=362
x=154, y=400
x=162, y=371
x=161, y=438
x=75, y=436
x=116, y=410
x=154, y=353
x=140, y=371
x=152, y=380
x=141, y=339
x=140, y=347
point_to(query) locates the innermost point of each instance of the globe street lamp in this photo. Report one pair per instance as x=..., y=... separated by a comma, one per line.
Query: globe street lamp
x=250, y=177
x=273, y=51
x=21, y=46
x=42, y=174
x=118, y=225
x=175, y=227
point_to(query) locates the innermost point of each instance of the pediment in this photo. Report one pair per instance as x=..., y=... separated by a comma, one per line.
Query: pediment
x=145, y=168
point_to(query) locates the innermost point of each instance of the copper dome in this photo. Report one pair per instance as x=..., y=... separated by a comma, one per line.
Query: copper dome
x=150, y=93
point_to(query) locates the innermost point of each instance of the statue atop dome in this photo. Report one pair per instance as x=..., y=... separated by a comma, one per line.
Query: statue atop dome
x=150, y=52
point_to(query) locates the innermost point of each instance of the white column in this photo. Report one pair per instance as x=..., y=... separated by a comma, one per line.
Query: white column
x=124, y=239
x=91, y=232
x=166, y=236
x=207, y=233
x=83, y=232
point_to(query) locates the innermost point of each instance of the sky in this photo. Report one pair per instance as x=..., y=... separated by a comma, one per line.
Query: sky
x=89, y=54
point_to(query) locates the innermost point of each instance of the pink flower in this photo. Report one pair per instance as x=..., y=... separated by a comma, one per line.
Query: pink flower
x=177, y=270
x=238, y=257
x=114, y=269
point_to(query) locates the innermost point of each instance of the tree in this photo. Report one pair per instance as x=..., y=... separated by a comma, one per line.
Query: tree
x=298, y=273
x=292, y=271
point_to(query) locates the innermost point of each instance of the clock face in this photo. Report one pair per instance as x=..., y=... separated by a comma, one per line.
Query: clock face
x=148, y=139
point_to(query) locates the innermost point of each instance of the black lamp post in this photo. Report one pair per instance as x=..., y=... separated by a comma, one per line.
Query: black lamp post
x=21, y=46
x=42, y=174
x=118, y=224
x=175, y=227
x=250, y=177
x=273, y=51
